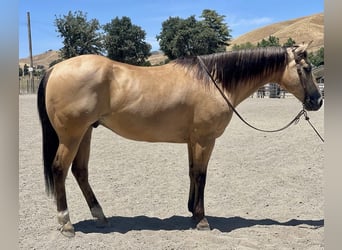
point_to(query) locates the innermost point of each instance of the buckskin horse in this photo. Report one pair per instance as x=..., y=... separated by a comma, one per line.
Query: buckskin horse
x=176, y=102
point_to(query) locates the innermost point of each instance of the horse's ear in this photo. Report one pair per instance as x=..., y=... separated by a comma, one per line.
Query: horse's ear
x=302, y=47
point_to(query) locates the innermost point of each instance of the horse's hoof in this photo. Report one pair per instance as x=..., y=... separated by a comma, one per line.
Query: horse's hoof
x=67, y=230
x=203, y=225
x=102, y=223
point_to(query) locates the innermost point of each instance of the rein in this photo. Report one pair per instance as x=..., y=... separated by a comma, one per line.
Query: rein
x=294, y=121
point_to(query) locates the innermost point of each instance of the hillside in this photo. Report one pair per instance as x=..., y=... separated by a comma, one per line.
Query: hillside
x=302, y=29
x=42, y=59
x=49, y=56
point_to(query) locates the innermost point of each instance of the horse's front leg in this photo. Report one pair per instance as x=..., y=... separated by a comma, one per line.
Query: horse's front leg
x=199, y=155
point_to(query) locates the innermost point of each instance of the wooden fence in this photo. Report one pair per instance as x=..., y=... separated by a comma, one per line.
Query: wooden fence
x=26, y=86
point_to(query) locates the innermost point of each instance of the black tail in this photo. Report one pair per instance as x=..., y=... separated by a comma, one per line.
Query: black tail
x=50, y=138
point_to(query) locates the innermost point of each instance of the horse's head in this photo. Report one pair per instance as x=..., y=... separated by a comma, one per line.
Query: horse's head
x=299, y=80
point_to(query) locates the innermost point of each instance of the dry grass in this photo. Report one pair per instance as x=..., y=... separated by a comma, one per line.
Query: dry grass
x=157, y=58
x=301, y=30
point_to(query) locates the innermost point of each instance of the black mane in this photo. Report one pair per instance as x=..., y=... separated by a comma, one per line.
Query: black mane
x=231, y=68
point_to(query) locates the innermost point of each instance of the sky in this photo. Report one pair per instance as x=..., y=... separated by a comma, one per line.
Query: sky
x=241, y=16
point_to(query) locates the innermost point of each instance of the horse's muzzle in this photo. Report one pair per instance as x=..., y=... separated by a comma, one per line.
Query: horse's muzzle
x=313, y=104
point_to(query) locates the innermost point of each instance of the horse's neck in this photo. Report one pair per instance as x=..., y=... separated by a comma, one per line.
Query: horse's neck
x=240, y=94
x=255, y=69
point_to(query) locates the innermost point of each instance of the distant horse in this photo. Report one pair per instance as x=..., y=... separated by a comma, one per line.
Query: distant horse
x=176, y=102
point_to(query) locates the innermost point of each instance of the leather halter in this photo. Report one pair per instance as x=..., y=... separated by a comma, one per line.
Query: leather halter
x=300, y=74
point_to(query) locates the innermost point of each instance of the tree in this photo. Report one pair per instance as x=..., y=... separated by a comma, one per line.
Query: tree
x=39, y=70
x=55, y=62
x=125, y=42
x=167, y=39
x=80, y=36
x=26, y=71
x=317, y=58
x=247, y=45
x=272, y=41
x=289, y=43
x=214, y=21
x=189, y=37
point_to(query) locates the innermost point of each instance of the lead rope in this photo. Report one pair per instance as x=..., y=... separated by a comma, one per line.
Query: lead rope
x=295, y=120
x=308, y=119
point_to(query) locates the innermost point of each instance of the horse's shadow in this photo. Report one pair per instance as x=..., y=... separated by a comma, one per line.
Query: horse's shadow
x=123, y=225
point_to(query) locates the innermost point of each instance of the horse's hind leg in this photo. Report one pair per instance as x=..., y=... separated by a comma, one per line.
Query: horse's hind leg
x=65, y=154
x=192, y=181
x=80, y=171
x=199, y=155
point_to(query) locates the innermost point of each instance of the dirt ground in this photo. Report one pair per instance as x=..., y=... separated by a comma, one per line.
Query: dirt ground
x=263, y=191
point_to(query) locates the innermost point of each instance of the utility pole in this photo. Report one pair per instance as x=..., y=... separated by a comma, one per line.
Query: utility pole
x=30, y=49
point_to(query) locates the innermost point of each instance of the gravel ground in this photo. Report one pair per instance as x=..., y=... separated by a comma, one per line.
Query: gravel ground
x=264, y=190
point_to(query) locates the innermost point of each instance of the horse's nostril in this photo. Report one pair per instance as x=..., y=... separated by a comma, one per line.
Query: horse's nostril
x=313, y=104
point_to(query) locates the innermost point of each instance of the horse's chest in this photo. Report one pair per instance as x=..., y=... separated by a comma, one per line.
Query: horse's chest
x=211, y=120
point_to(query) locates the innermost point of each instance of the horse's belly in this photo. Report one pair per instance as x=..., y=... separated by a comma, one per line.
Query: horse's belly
x=161, y=128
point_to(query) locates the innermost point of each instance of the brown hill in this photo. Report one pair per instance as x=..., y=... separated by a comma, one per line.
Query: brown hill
x=302, y=29
x=42, y=59
x=47, y=57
